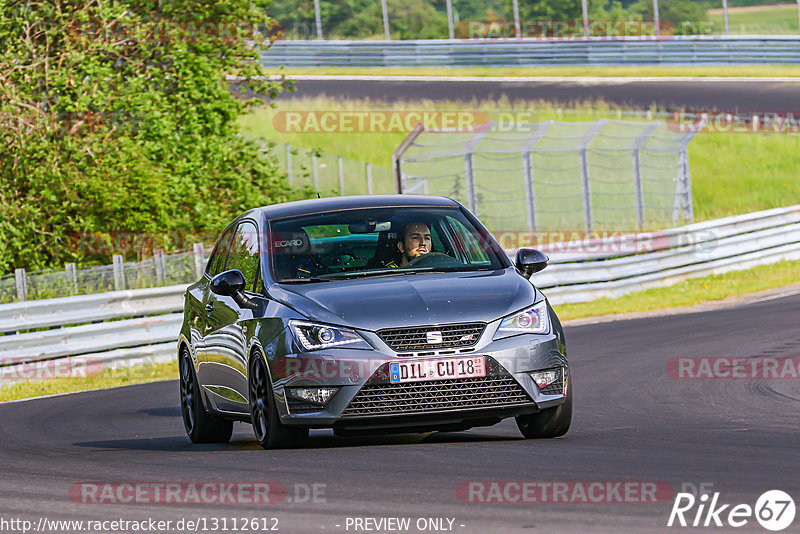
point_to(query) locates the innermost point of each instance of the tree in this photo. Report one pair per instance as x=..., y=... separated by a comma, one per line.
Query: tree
x=117, y=118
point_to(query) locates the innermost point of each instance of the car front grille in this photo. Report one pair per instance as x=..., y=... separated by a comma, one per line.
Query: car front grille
x=380, y=397
x=556, y=387
x=417, y=338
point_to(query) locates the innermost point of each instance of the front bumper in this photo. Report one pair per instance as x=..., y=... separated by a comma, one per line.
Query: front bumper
x=367, y=400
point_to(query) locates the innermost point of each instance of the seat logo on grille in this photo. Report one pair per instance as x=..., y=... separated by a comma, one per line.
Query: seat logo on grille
x=434, y=336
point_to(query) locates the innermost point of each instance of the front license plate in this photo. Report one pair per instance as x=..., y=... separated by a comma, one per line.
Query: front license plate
x=418, y=370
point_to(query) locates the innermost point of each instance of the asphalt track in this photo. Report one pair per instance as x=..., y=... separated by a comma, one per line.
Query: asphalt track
x=716, y=95
x=633, y=422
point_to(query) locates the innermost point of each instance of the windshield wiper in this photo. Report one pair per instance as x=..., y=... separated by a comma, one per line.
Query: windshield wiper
x=303, y=280
x=365, y=274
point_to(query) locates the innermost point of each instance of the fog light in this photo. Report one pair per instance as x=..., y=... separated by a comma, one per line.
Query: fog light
x=315, y=395
x=545, y=378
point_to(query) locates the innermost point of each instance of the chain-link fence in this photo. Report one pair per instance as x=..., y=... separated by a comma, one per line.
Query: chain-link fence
x=602, y=175
x=331, y=175
x=181, y=267
x=508, y=19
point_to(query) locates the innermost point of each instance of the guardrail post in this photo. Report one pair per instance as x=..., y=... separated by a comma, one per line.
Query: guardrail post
x=199, y=259
x=289, y=173
x=158, y=260
x=22, y=284
x=72, y=276
x=369, y=178
x=341, y=175
x=119, y=272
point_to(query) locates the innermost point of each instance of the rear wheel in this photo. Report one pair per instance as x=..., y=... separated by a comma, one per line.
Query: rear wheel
x=549, y=423
x=201, y=426
x=267, y=427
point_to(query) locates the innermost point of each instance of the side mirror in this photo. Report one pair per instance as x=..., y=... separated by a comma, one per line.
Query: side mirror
x=529, y=261
x=230, y=284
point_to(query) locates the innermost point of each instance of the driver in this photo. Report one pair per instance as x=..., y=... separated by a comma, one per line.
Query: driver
x=416, y=240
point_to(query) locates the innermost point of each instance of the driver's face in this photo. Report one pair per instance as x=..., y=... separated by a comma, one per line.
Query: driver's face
x=417, y=240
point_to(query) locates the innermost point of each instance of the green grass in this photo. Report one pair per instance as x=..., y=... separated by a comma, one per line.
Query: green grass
x=107, y=379
x=748, y=71
x=731, y=173
x=690, y=292
x=767, y=20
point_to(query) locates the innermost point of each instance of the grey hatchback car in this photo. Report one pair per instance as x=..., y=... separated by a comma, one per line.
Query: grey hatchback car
x=368, y=314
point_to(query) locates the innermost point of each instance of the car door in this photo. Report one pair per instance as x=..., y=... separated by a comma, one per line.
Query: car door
x=226, y=350
x=201, y=293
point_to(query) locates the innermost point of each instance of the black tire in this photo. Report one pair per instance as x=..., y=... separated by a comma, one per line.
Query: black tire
x=267, y=426
x=549, y=423
x=201, y=427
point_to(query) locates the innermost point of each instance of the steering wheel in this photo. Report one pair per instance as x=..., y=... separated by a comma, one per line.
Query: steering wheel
x=424, y=259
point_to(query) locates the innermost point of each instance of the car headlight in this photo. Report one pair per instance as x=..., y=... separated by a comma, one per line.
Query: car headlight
x=312, y=336
x=533, y=320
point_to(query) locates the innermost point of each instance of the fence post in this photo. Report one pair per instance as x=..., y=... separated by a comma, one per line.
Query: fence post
x=341, y=176
x=119, y=272
x=314, y=169
x=387, y=35
x=472, y=198
x=318, y=19
x=289, y=172
x=158, y=260
x=725, y=14
x=199, y=257
x=369, y=176
x=397, y=156
x=22, y=284
x=638, y=190
x=469, y=174
x=530, y=199
x=585, y=186
x=72, y=276
x=449, y=8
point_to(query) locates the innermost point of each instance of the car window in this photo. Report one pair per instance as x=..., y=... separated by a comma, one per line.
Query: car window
x=364, y=242
x=244, y=253
x=475, y=254
x=216, y=263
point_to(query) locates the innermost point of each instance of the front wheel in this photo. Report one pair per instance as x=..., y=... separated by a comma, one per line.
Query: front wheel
x=550, y=423
x=267, y=427
x=200, y=426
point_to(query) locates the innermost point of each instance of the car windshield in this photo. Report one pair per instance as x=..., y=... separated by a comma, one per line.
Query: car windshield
x=378, y=242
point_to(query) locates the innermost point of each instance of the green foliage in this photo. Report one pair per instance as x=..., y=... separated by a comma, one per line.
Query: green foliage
x=426, y=19
x=684, y=16
x=409, y=19
x=117, y=117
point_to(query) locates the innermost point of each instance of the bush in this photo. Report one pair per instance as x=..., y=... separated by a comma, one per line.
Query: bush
x=117, y=118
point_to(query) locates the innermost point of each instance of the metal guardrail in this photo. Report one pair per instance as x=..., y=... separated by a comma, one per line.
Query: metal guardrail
x=675, y=50
x=122, y=339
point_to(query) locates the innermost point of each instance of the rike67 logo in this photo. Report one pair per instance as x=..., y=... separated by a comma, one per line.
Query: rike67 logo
x=774, y=510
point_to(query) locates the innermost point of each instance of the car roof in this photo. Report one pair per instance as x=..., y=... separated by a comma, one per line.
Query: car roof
x=320, y=205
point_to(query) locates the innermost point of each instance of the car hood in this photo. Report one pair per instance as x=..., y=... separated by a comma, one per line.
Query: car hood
x=411, y=299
